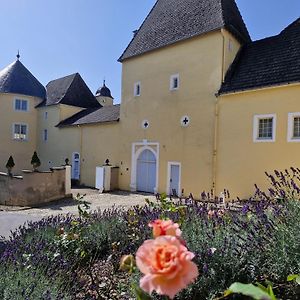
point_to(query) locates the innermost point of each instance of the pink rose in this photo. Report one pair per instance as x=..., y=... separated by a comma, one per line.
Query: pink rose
x=162, y=227
x=167, y=266
x=210, y=214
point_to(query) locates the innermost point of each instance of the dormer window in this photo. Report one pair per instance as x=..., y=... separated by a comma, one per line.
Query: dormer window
x=174, y=82
x=21, y=105
x=137, y=89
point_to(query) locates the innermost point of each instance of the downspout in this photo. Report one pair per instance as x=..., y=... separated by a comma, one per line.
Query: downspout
x=216, y=119
x=80, y=151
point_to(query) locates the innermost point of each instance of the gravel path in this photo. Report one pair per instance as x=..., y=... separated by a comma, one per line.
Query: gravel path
x=12, y=218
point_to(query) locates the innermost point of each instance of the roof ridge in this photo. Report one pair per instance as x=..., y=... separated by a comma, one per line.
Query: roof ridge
x=68, y=88
x=241, y=33
x=173, y=21
x=147, y=17
x=290, y=25
x=63, y=77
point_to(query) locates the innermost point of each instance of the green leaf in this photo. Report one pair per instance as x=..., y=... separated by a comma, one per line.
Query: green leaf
x=140, y=294
x=293, y=277
x=248, y=290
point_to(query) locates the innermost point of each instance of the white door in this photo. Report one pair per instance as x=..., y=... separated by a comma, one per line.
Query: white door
x=146, y=172
x=174, y=179
x=76, y=166
x=100, y=179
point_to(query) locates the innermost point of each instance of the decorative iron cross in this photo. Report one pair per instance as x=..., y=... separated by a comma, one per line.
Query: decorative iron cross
x=185, y=121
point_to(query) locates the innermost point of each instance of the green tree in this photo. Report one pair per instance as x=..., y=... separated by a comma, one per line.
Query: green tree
x=35, y=161
x=10, y=165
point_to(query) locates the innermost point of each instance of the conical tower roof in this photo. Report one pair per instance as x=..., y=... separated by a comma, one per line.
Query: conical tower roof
x=17, y=79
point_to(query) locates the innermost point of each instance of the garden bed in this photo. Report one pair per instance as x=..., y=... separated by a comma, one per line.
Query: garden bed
x=78, y=258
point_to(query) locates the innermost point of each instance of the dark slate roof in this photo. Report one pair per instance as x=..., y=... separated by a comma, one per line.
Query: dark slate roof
x=70, y=90
x=104, y=91
x=268, y=62
x=171, y=21
x=17, y=79
x=93, y=116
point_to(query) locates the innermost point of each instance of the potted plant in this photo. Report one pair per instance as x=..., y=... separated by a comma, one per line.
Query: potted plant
x=35, y=162
x=10, y=165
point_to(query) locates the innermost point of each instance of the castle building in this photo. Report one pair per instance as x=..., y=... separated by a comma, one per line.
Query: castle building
x=203, y=107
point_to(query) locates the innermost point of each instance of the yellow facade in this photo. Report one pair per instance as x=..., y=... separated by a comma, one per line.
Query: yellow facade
x=61, y=143
x=99, y=143
x=175, y=124
x=201, y=63
x=21, y=150
x=241, y=162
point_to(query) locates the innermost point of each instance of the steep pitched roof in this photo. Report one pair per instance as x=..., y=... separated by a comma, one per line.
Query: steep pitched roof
x=70, y=90
x=93, y=116
x=268, y=62
x=171, y=21
x=17, y=79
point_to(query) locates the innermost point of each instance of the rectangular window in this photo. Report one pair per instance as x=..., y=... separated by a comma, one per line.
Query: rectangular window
x=296, y=133
x=264, y=128
x=45, y=115
x=293, y=127
x=137, y=89
x=45, y=135
x=174, y=82
x=20, y=131
x=21, y=105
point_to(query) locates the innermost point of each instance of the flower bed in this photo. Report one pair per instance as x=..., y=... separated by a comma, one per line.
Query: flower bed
x=64, y=257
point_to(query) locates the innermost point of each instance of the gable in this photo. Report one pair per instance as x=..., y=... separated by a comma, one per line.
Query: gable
x=172, y=21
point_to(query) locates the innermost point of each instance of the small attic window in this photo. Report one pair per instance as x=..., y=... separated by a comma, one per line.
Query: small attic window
x=174, y=82
x=137, y=89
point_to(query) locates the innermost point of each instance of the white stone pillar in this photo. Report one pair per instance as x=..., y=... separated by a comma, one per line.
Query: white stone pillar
x=68, y=180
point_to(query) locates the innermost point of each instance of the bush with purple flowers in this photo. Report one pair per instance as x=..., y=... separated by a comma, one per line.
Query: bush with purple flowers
x=65, y=257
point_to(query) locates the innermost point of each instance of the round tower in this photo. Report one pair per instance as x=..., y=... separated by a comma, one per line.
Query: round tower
x=103, y=95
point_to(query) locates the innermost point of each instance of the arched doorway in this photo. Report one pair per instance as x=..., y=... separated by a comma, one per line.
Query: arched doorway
x=146, y=172
x=76, y=166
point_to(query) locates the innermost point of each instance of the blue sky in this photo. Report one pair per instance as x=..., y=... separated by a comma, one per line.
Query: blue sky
x=60, y=37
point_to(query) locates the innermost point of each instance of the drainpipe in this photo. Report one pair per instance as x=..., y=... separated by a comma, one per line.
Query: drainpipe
x=80, y=150
x=216, y=119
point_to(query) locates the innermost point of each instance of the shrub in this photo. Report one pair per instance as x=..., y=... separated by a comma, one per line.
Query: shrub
x=10, y=165
x=35, y=161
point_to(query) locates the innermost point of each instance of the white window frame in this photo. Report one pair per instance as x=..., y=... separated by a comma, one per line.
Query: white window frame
x=172, y=77
x=13, y=132
x=256, y=119
x=45, y=135
x=290, y=133
x=21, y=110
x=135, y=89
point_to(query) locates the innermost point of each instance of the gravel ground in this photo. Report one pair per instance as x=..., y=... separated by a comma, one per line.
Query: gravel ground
x=96, y=200
x=12, y=217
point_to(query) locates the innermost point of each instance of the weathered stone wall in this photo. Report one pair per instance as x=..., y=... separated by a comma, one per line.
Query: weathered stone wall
x=33, y=188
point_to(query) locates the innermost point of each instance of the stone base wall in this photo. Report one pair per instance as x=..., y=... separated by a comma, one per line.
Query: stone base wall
x=33, y=188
